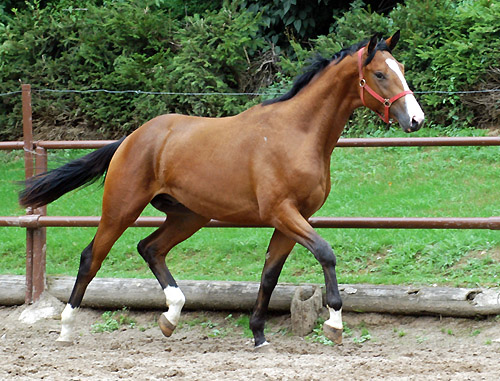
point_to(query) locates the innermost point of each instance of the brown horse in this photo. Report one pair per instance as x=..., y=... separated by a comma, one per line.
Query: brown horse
x=268, y=165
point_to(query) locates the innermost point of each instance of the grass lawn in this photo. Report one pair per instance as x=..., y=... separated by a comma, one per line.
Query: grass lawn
x=393, y=182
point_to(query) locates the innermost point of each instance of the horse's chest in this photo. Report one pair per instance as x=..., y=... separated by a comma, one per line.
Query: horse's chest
x=310, y=188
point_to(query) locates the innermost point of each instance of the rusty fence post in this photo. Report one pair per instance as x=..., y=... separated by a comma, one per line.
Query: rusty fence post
x=28, y=172
x=39, y=234
x=35, y=162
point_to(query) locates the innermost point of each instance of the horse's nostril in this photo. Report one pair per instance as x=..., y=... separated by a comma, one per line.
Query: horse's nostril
x=415, y=123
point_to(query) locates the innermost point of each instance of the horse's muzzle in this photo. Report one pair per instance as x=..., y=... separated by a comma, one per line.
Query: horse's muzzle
x=415, y=124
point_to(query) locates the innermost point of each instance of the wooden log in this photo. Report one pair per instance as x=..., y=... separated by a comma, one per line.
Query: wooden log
x=12, y=290
x=408, y=300
x=240, y=296
x=146, y=293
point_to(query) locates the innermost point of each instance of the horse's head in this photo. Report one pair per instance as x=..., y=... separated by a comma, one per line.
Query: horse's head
x=383, y=87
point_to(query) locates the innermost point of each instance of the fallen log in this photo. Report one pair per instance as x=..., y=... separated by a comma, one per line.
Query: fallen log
x=12, y=290
x=409, y=300
x=147, y=294
x=111, y=293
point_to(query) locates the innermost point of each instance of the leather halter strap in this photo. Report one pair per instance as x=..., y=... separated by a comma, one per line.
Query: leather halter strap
x=387, y=102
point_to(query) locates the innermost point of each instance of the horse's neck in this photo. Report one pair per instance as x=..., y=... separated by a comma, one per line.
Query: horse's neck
x=327, y=102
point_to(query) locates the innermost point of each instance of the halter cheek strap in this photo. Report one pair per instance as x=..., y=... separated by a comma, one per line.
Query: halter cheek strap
x=387, y=102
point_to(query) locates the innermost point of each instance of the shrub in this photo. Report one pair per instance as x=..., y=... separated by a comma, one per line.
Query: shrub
x=214, y=56
x=144, y=45
x=452, y=48
x=54, y=47
x=122, y=46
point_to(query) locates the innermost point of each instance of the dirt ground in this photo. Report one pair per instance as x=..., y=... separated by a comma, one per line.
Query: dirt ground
x=214, y=346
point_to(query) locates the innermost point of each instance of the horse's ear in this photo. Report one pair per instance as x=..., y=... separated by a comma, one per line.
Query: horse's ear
x=392, y=41
x=372, y=44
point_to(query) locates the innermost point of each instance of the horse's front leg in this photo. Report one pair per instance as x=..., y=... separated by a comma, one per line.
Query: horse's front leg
x=277, y=253
x=332, y=328
x=296, y=227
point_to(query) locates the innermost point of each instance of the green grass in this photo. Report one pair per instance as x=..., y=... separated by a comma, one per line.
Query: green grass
x=112, y=321
x=395, y=182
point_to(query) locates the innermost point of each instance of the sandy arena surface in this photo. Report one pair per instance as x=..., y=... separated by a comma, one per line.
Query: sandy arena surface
x=212, y=346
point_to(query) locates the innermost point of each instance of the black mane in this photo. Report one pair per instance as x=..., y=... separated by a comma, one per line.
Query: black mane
x=319, y=63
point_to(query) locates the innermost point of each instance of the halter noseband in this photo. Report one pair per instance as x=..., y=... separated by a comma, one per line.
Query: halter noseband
x=387, y=102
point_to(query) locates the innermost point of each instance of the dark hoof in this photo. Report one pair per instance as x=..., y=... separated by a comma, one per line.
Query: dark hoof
x=166, y=327
x=334, y=334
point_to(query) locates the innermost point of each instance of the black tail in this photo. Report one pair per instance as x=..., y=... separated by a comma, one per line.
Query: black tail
x=49, y=186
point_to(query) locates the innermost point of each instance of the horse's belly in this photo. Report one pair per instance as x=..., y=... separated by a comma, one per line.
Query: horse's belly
x=220, y=203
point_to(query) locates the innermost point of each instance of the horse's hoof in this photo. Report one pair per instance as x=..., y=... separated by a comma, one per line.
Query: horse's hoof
x=166, y=327
x=63, y=342
x=264, y=348
x=334, y=334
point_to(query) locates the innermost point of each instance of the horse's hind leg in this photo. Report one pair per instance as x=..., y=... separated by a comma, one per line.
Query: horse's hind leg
x=279, y=248
x=116, y=218
x=154, y=249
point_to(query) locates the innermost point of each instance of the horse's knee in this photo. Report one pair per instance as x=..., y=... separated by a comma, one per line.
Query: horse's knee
x=141, y=249
x=324, y=254
x=146, y=251
x=86, y=261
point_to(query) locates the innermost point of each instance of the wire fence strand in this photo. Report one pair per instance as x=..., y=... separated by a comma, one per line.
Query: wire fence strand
x=144, y=92
x=107, y=91
x=457, y=92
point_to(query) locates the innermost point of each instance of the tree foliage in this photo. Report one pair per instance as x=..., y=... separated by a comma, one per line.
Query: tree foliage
x=241, y=46
x=453, y=48
x=124, y=46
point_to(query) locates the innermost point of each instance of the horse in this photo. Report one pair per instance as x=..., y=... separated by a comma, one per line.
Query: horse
x=268, y=165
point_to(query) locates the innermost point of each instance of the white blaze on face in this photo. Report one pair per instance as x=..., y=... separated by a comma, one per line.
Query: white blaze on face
x=175, y=302
x=412, y=107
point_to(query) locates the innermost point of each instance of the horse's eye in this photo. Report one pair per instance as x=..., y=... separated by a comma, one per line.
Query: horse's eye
x=379, y=75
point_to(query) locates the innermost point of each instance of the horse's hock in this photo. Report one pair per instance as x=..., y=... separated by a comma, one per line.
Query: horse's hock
x=305, y=308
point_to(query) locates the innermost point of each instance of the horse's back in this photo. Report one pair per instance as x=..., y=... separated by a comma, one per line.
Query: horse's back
x=203, y=163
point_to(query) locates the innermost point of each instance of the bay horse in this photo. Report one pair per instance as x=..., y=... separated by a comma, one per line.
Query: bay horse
x=268, y=165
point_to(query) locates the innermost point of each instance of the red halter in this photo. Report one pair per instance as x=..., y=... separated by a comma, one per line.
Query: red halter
x=385, y=101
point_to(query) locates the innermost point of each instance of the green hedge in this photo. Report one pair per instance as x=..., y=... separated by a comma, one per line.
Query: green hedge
x=150, y=45
x=446, y=45
x=123, y=46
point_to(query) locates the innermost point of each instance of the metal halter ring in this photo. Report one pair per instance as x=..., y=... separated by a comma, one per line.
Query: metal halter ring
x=362, y=82
x=387, y=102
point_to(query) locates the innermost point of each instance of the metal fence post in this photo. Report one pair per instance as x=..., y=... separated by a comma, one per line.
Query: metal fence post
x=28, y=172
x=39, y=234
